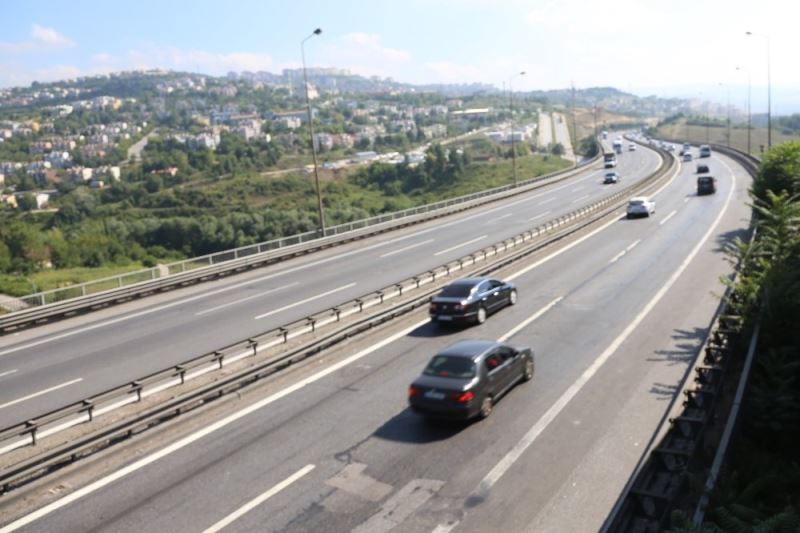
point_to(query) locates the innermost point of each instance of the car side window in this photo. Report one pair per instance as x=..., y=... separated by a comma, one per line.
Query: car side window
x=505, y=353
x=494, y=284
x=493, y=361
x=483, y=287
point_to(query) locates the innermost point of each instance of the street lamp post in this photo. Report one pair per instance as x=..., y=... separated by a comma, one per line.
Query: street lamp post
x=513, y=142
x=749, y=115
x=769, y=90
x=311, y=129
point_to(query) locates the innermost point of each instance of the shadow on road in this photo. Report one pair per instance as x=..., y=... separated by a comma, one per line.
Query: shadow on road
x=412, y=428
x=432, y=329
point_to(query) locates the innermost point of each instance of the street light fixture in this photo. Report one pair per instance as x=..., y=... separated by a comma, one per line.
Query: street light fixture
x=769, y=89
x=749, y=115
x=513, y=142
x=311, y=129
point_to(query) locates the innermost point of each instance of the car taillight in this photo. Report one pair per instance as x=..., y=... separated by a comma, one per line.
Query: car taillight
x=464, y=397
x=413, y=391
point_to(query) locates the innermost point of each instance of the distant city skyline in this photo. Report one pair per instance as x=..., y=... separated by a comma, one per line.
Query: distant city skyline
x=683, y=48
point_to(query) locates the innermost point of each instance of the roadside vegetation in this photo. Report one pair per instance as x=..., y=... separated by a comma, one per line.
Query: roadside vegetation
x=146, y=219
x=760, y=487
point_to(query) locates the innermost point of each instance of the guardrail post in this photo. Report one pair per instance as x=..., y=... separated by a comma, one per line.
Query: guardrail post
x=313, y=323
x=399, y=288
x=83, y=290
x=33, y=426
x=285, y=333
x=137, y=387
x=254, y=345
x=119, y=281
x=89, y=406
x=181, y=370
x=415, y=279
x=337, y=312
x=380, y=295
x=360, y=303
x=218, y=357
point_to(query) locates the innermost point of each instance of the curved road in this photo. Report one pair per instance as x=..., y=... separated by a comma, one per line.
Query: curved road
x=615, y=318
x=57, y=364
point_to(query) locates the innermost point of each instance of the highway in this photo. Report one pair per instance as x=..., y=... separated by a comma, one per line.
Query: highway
x=51, y=366
x=615, y=318
x=545, y=130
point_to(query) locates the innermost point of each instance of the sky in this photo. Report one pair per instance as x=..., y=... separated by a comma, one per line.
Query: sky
x=686, y=48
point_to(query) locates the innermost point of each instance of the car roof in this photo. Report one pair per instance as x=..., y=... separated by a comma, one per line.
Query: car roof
x=468, y=281
x=470, y=349
x=639, y=199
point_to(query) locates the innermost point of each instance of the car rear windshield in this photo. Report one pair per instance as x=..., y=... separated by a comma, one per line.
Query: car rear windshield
x=636, y=202
x=448, y=366
x=457, y=290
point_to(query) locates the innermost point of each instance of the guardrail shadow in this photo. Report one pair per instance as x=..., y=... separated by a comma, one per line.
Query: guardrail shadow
x=723, y=240
x=687, y=344
x=410, y=427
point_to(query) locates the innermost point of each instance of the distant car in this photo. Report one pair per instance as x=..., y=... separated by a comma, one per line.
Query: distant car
x=706, y=185
x=687, y=156
x=670, y=147
x=702, y=168
x=640, y=206
x=705, y=150
x=471, y=300
x=632, y=147
x=611, y=177
x=466, y=379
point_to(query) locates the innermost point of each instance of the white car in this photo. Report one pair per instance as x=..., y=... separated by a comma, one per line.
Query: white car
x=639, y=206
x=687, y=156
x=632, y=147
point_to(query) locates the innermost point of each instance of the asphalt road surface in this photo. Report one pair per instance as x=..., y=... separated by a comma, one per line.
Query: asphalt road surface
x=615, y=319
x=54, y=365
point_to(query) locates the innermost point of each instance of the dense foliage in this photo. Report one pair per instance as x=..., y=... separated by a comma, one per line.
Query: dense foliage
x=761, y=491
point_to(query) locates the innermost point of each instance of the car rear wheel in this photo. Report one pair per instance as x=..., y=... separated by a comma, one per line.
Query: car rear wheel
x=527, y=372
x=486, y=407
x=480, y=316
x=512, y=297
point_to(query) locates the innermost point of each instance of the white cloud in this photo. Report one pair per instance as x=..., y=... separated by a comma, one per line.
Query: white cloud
x=361, y=53
x=152, y=56
x=50, y=37
x=42, y=40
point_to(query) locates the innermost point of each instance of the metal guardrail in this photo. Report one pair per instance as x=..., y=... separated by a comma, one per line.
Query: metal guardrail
x=31, y=431
x=660, y=478
x=75, y=298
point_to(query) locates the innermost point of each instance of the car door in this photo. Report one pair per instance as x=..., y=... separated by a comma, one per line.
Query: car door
x=484, y=295
x=510, y=363
x=496, y=296
x=496, y=374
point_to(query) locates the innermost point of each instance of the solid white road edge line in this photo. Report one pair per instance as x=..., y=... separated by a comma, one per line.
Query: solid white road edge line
x=667, y=218
x=460, y=245
x=246, y=298
x=8, y=373
x=399, y=250
x=189, y=439
x=310, y=299
x=41, y=392
x=255, y=502
x=533, y=433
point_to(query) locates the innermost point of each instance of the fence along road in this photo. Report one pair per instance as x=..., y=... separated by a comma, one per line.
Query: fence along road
x=121, y=344
x=609, y=354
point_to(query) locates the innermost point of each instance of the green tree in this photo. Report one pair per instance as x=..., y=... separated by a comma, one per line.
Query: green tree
x=779, y=171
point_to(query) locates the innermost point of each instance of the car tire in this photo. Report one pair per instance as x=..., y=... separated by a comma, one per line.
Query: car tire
x=512, y=297
x=486, y=407
x=528, y=370
x=480, y=315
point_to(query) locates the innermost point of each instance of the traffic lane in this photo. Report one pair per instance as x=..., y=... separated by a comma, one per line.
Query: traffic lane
x=298, y=264
x=140, y=355
x=612, y=419
x=382, y=383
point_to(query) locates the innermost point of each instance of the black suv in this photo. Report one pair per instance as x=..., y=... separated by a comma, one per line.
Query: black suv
x=702, y=168
x=706, y=185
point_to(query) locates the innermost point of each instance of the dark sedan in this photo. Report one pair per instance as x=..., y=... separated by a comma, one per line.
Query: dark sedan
x=471, y=300
x=466, y=379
